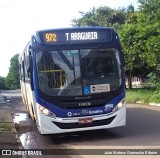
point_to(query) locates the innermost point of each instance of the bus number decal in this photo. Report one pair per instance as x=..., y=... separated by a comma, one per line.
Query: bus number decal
x=51, y=37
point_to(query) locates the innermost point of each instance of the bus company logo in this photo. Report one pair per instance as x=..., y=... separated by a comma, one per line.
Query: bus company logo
x=84, y=112
x=99, y=111
x=108, y=107
x=69, y=114
x=83, y=104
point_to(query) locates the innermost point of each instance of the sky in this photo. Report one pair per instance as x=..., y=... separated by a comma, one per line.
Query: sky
x=19, y=19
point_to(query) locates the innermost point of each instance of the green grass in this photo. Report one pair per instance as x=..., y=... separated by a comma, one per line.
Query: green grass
x=143, y=95
x=5, y=127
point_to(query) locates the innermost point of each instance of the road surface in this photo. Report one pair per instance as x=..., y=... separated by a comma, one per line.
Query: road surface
x=141, y=132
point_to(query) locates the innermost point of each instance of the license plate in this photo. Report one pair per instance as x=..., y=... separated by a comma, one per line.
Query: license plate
x=85, y=120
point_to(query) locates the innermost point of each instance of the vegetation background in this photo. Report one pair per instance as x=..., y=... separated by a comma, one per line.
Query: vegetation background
x=139, y=32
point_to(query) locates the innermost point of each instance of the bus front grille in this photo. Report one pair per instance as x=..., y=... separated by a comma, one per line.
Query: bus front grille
x=77, y=125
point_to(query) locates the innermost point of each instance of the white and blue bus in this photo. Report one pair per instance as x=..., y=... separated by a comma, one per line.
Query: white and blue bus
x=72, y=79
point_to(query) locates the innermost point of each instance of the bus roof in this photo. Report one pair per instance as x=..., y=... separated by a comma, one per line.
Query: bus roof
x=77, y=28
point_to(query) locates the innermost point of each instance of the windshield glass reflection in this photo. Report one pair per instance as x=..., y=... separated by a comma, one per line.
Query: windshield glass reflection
x=78, y=72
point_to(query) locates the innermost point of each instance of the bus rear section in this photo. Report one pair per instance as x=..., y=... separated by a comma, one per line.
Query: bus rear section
x=78, y=80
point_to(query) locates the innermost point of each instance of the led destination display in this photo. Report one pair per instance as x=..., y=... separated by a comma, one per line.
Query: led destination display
x=74, y=36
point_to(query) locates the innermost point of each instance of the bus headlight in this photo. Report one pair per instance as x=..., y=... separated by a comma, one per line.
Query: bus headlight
x=119, y=105
x=46, y=112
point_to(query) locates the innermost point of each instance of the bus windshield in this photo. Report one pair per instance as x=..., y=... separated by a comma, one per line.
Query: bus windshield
x=78, y=72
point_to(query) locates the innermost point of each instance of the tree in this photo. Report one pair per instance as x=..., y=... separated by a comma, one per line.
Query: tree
x=102, y=16
x=12, y=79
x=130, y=8
x=126, y=34
x=140, y=37
x=87, y=19
x=148, y=37
x=139, y=34
x=2, y=83
x=149, y=32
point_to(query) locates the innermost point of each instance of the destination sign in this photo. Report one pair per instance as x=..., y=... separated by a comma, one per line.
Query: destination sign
x=75, y=36
x=82, y=36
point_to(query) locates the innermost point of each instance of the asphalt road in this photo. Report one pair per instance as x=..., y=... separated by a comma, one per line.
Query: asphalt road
x=141, y=132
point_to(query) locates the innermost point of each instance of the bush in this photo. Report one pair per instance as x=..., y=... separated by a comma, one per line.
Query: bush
x=143, y=95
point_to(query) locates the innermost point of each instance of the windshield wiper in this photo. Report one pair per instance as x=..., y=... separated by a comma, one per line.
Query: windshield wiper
x=93, y=58
x=65, y=59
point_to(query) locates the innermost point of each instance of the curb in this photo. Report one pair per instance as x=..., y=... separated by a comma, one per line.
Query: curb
x=9, y=138
x=152, y=104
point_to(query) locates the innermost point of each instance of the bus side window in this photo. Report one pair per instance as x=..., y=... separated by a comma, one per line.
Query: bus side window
x=20, y=71
x=23, y=72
